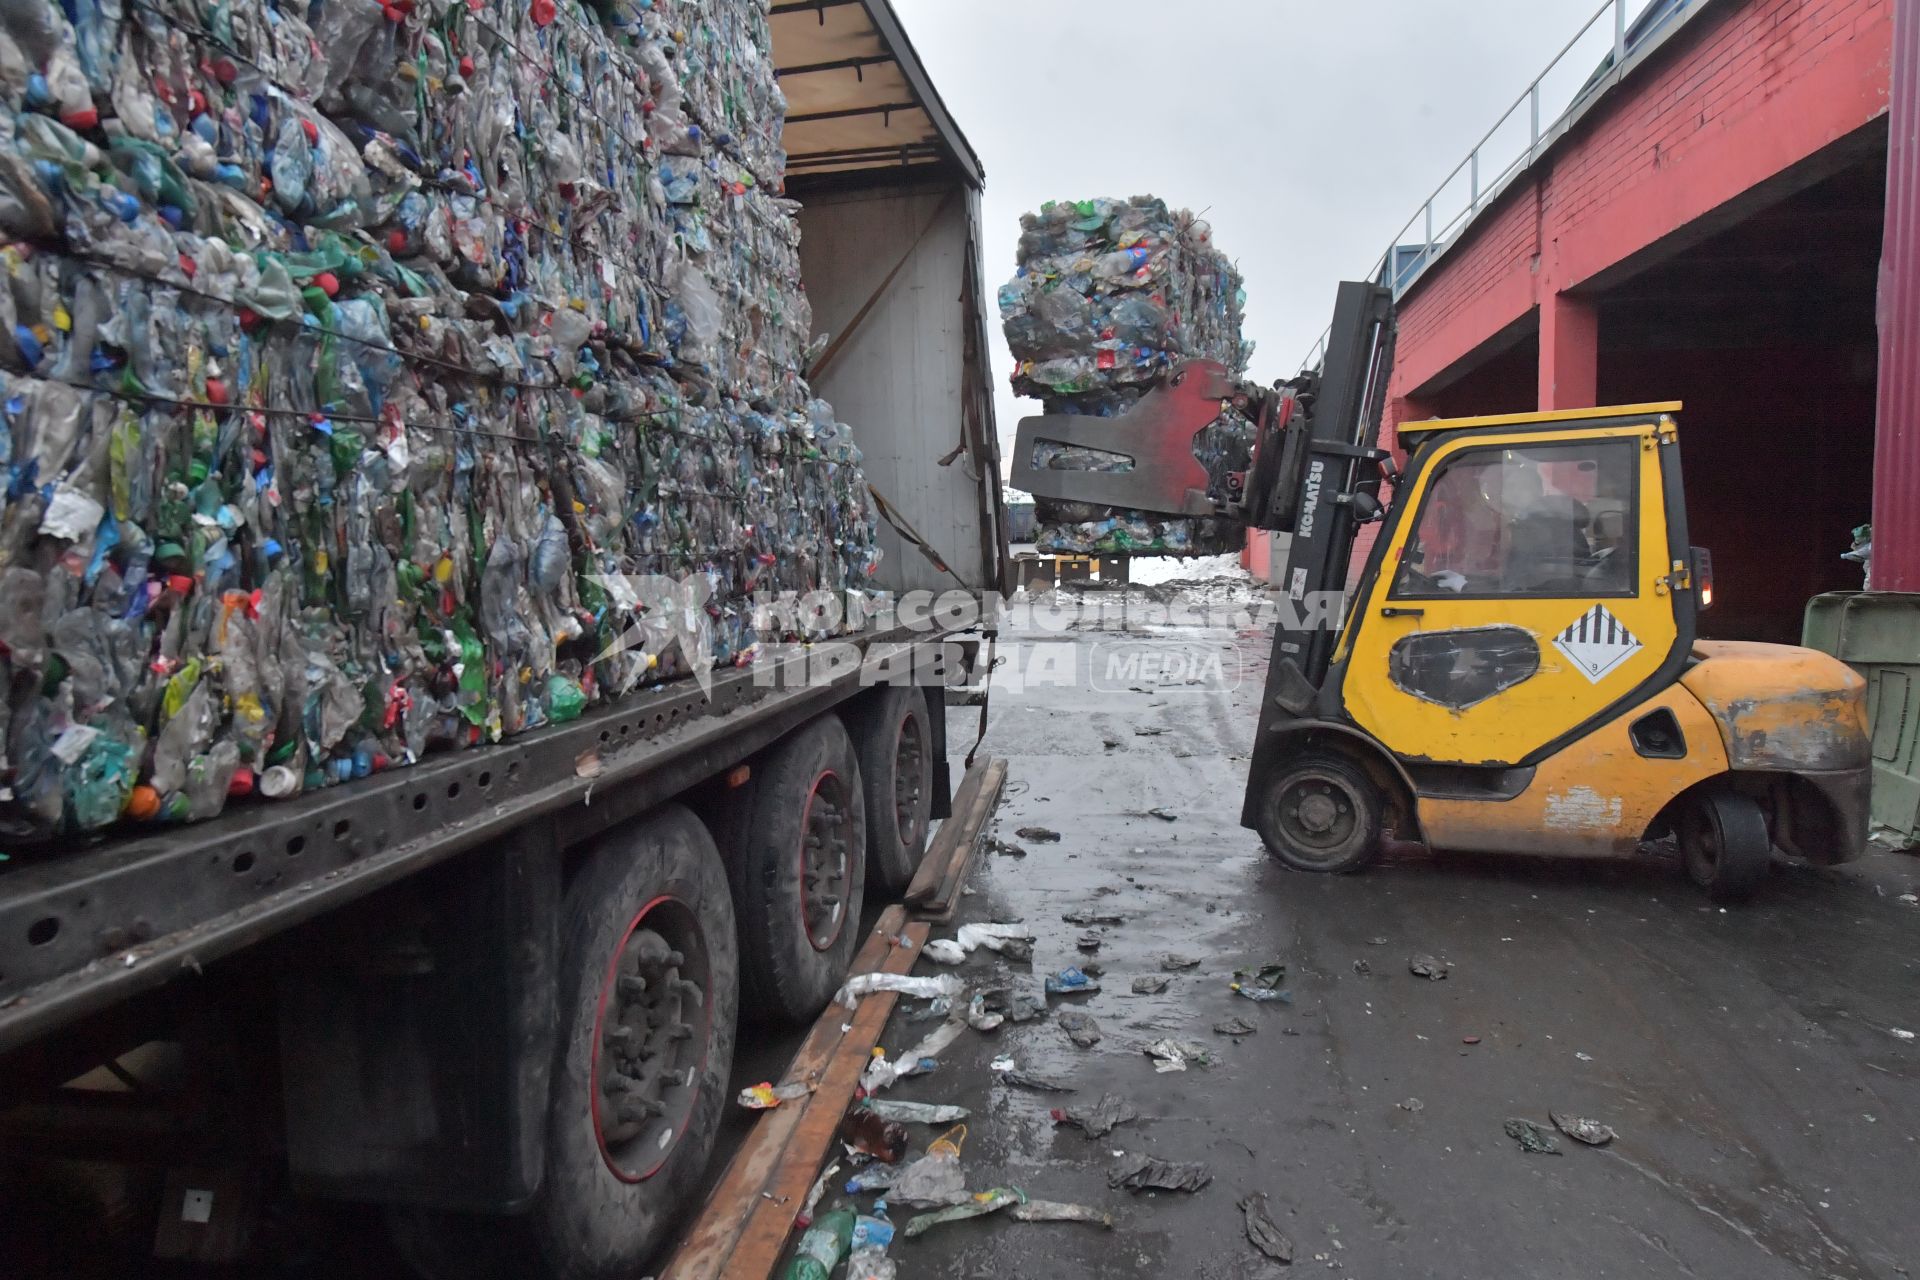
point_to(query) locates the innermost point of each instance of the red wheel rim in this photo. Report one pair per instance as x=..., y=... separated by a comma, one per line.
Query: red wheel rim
x=650, y=1035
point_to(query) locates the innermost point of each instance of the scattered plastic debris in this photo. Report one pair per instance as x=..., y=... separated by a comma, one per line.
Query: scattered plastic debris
x=1150, y=1173
x=936, y=1177
x=976, y=1206
x=1016, y=1007
x=1007, y=1069
x=872, y=1233
x=1174, y=1055
x=875, y=1177
x=1174, y=962
x=1055, y=1211
x=1235, y=1026
x=944, y=951
x=1088, y=943
x=1149, y=731
x=1086, y=919
x=980, y=1018
x=804, y=1218
x=1163, y=813
x=1098, y=1119
x=994, y=937
x=916, y=1112
x=1080, y=1027
x=1360, y=967
x=1262, y=1231
x=822, y=1247
x=1007, y=849
x=1424, y=966
x=1901, y=1033
x=1150, y=985
x=1039, y=835
x=1581, y=1129
x=1262, y=983
x=922, y=1058
x=1469, y=1039
x=869, y=1133
x=1533, y=1138
x=865, y=984
x=1411, y=1104
x=1071, y=981
x=765, y=1096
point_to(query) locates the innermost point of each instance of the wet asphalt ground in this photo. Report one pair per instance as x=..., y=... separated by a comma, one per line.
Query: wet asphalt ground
x=1767, y=1113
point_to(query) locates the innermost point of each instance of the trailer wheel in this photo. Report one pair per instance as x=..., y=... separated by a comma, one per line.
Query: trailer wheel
x=647, y=1009
x=893, y=737
x=647, y=1004
x=1321, y=814
x=800, y=867
x=1724, y=844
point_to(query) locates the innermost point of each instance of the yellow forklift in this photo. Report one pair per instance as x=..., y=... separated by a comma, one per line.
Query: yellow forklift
x=1516, y=668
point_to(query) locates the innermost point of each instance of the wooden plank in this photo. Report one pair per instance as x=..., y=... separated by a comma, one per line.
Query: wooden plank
x=771, y=1223
x=706, y=1251
x=963, y=831
x=932, y=871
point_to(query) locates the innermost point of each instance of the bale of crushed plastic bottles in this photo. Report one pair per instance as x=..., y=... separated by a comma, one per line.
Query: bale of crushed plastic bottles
x=1109, y=296
x=365, y=366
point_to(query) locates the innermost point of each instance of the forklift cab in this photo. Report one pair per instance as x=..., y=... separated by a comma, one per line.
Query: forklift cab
x=1518, y=671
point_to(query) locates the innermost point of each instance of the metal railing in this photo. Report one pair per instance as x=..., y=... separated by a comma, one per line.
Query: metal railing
x=1404, y=261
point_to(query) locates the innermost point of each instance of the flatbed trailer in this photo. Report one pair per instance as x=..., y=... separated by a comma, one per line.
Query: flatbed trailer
x=496, y=991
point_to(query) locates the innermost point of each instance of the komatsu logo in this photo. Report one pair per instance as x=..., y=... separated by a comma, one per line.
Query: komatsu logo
x=1311, y=504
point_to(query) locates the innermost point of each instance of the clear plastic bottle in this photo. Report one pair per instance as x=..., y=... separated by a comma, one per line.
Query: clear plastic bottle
x=872, y=1233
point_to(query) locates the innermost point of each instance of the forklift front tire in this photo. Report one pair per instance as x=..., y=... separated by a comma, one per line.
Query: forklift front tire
x=1724, y=844
x=1322, y=814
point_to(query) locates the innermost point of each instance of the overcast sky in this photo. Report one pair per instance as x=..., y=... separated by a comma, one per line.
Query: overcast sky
x=1309, y=131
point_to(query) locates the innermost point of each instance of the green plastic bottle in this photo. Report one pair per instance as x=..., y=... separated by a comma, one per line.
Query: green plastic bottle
x=822, y=1248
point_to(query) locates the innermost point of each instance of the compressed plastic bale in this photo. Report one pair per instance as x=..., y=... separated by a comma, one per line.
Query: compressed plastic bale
x=1109, y=296
x=339, y=402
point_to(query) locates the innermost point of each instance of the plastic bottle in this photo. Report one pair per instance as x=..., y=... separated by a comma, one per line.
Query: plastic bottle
x=822, y=1247
x=872, y=1233
x=869, y=1134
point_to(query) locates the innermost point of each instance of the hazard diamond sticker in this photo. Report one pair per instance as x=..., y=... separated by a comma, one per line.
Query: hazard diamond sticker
x=1596, y=642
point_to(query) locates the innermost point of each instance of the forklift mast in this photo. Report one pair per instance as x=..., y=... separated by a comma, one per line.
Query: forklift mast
x=1315, y=471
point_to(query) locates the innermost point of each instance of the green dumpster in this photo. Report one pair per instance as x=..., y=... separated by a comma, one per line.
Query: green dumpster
x=1877, y=633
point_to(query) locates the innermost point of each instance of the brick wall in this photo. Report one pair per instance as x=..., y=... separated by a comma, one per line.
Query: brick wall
x=1747, y=89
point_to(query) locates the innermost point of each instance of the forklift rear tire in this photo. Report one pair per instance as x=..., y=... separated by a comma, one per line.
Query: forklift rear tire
x=1724, y=844
x=1322, y=814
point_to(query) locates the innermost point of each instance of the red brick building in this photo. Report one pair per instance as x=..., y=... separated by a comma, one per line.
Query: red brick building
x=1705, y=225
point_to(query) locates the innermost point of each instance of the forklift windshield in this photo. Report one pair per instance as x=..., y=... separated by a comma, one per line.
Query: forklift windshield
x=1547, y=519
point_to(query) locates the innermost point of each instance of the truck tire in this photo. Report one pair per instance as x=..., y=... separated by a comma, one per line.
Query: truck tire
x=800, y=870
x=616, y=1181
x=1724, y=844
x=893, y=738
x=648, y=998
x=1321, y=813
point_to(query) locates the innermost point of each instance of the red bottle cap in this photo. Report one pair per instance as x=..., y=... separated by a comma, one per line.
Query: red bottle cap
x=396, y=241
x=216, y=391
x=84, y=118
x=242, y=783
x=542, y=12
x=466, y=65
x=312, y=131
x=327, y=283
